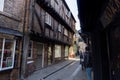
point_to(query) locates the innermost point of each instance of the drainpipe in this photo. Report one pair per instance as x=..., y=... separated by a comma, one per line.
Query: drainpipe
x=25, y=24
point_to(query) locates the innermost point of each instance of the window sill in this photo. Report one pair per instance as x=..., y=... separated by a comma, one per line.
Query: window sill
x=4, y=69
x=29, y=58
x=29, y=62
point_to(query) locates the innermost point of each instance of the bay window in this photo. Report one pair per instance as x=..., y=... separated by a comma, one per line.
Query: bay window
x=1, y=5
x=7, y=53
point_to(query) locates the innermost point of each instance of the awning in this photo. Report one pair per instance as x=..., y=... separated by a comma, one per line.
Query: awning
x=10, y=31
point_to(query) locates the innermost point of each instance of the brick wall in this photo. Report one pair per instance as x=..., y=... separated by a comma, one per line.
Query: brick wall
x=30, y=69
x=12, y=14
x=5, y=75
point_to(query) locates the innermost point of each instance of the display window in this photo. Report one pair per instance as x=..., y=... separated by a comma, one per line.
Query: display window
x=7, y=53
x=66, y=51
x=57, y=51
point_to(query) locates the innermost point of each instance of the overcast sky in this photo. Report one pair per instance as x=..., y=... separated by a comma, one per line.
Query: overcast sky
x=73, y=7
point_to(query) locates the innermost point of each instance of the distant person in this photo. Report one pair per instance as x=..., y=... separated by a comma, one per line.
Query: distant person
x=78, y=52
x=82, y=59
x=88, y=64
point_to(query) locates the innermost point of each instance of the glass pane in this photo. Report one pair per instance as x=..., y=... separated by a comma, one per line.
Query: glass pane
x=30, y=50
x=1, y=5
x=66, y=51
x=1, y=43
x=8, y=52
x=57, y=51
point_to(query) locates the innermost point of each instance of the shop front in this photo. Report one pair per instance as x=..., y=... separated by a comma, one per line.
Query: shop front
x=57, y=53
x=7, y=53
x=35, y=57
x=39, y=56
x=9, y=56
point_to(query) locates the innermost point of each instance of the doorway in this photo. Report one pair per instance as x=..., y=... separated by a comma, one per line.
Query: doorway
x=39, y=56
x=50, y=56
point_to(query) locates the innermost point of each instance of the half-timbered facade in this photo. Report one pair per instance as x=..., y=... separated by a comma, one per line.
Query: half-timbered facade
x=33, y=34
x=48, y=36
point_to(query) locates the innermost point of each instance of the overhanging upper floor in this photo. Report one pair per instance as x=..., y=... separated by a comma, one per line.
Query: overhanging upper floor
x=90, y=13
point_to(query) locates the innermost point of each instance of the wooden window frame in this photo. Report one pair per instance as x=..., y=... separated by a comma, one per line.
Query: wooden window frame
x=12, y=57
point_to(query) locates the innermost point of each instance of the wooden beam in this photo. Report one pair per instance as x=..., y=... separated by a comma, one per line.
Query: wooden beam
x=39, y=20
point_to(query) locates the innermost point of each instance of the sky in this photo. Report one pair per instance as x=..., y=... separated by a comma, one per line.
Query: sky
x=72, y=4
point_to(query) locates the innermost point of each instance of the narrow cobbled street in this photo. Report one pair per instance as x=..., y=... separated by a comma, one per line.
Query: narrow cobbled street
x=67, y=70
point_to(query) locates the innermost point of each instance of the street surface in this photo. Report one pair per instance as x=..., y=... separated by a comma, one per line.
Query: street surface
x=69, y=72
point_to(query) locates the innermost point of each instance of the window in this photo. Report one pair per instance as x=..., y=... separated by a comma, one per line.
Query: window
x=56, y=6
x=66, y=51
x=57, y=51
x=65, y=32
x=7, y=53
x=1, y=5
x=59, y=28
x=48, y=19
x=1, y=41
x=30, y=50
x=70, y=35
x=52, y=3
x=69, y=14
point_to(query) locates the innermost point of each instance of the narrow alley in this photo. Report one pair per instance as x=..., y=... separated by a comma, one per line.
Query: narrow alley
x=67, y=70
x=59, y=39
